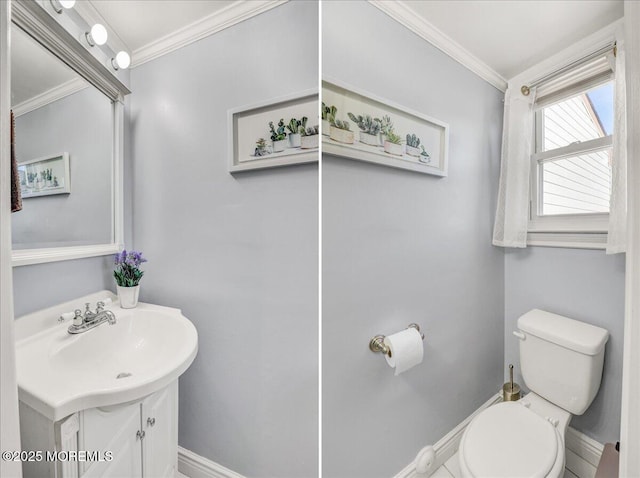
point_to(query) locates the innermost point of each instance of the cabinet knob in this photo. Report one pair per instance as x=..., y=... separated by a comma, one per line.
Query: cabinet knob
x=140, y=434
x=151, y=421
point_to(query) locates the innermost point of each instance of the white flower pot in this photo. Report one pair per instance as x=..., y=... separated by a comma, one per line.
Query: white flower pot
x=424, y=159
x=128, y=296
x=341, y=135
x=309, y=142
x=411, y=151
x=326, y=126
x=370, y=139
x=392, y=148
x=294, y=140
x=279, y=146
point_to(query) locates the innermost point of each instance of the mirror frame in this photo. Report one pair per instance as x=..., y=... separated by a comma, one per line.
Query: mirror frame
x=60, y=40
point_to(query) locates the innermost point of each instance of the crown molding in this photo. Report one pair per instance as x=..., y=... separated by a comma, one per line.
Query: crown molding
x=57, y=92
x=407, y=17
x=217, y=21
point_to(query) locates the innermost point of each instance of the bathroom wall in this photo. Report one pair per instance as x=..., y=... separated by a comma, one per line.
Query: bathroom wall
x=585, y=285
x=83, y=216
x=401, y=247
x=237, y=253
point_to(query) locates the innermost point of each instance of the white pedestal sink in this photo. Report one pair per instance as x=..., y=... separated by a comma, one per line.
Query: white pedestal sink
x=60, y=373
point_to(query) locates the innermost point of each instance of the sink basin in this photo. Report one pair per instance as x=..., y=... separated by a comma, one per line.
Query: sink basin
x=146, y=349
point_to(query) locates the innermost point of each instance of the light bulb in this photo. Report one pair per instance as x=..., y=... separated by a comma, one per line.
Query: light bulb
x=122, y=60
x=97, y=36
x=58, y=5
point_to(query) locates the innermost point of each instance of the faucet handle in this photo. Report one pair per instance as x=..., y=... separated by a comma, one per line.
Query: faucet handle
x=99, y=307
x=78, y=319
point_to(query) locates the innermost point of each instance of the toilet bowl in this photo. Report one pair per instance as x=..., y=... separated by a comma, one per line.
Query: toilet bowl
x=515, y=439
x=561, y=361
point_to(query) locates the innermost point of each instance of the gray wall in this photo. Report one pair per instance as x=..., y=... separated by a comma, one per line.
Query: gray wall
x=237, y=253
x=583, y=285
x=80, y=124
x=402, y=247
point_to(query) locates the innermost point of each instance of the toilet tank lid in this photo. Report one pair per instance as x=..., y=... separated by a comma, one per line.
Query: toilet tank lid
x=572, y=334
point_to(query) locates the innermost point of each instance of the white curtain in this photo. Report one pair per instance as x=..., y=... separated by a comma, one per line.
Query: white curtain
x=512, y=214
x=617, y=233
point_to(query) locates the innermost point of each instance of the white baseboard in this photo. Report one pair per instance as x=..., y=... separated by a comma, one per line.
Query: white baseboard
x=447, y=446
x=196, y=466
x=582, y=458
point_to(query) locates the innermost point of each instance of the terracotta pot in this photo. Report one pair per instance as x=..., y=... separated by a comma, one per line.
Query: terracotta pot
x=341, y=135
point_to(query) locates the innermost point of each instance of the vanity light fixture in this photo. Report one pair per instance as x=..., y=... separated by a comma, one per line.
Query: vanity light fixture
x=58, y=5
x=122, y=60
x=97, y=36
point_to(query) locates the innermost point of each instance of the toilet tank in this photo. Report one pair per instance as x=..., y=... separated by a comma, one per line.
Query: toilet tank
x=561, y=359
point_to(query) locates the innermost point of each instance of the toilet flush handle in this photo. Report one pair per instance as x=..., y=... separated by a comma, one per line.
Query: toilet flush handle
x=519, y=334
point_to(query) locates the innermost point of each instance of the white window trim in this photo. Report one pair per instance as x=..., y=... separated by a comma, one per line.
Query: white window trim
x=581, y=231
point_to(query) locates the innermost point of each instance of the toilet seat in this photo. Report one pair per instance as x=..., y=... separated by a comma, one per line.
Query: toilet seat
x=508, y=440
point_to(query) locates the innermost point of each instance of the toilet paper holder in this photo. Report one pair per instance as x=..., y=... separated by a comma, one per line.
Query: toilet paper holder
x=376, y=344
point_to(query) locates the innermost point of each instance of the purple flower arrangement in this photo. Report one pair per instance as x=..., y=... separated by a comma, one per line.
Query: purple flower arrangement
x=127, y=271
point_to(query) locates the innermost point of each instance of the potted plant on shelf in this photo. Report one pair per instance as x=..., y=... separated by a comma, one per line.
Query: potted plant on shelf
x=128, y=274
x=386, y=125
x=278, y=136
x=341, y=132
x=369, y=128
x=309, y=138
x=413, y=143
x=424, y=156
x=296, y=127
x=393, y=144
x=261, y=148
x=328, y=118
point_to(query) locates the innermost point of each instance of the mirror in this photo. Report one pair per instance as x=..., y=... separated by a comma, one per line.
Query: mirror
x=63, y=147
x=68, y=105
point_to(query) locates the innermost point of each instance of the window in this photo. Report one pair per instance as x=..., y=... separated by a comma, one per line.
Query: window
x=571, y=164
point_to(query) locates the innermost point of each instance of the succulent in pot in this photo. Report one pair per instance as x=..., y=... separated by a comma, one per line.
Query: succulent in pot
x=340, y=131
x=424, y=156
x=296, y=127
x=278, y=136
x=261, y=148
x=369, y=128
x=328, y=118
x=393, y=144
x=310, y=137
x=413, y=143
x=386, y=125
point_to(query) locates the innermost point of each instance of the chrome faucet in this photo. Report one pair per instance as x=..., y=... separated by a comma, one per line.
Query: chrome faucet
x=82, y=323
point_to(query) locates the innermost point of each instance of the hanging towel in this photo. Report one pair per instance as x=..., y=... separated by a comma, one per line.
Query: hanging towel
x=16, y=197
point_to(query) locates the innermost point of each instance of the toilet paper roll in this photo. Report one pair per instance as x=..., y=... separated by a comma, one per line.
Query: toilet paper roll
x=406, y=349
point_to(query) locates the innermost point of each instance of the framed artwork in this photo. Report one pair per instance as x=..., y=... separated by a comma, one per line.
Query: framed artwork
x=45, y=176
x=278, y=132
x=359, y=125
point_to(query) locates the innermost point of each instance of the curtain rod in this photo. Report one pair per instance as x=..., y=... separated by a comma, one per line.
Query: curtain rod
x=526, y=89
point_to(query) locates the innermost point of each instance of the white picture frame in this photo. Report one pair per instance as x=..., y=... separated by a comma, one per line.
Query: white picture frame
x=249, y=123
x=45, y=176
x=433, y=133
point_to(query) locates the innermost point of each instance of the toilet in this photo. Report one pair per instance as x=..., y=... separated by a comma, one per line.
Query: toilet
x=561, y=362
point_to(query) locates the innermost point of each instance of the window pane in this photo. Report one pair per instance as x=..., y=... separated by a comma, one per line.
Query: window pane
x=580, y=118
x=576, y=185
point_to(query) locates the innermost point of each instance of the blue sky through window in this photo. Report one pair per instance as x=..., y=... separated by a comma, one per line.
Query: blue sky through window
x=602, y=100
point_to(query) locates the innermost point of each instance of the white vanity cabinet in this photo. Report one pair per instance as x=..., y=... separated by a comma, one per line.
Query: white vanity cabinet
x=134, y=439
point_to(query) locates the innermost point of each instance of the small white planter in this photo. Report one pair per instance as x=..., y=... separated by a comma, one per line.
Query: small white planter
x=370, y=139
x=341, y=135
x=326, y=126
x=309, y=142
x=411, y=151
x=392, y=148
x=294, y=140
x=424, y=159
x=128, y=296
x=279, y=146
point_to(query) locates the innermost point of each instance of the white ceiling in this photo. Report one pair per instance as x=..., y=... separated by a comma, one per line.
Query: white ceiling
x=507, y=36
x=510, y=36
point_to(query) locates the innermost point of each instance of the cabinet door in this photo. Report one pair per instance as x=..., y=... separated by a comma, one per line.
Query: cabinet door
x=116, y=430
x=160, y=423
